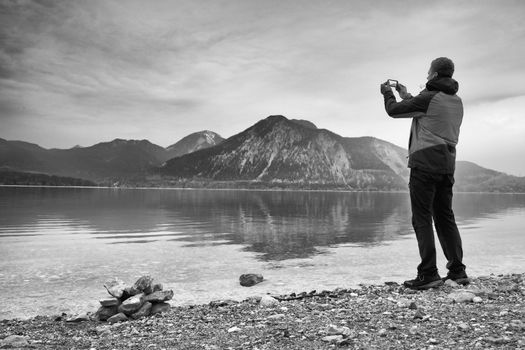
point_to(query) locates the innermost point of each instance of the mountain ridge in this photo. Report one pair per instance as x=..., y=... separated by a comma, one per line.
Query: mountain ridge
x=194, y=142
x=275, y=152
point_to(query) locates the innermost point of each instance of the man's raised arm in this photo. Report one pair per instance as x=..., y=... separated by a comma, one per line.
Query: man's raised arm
x=412, y=107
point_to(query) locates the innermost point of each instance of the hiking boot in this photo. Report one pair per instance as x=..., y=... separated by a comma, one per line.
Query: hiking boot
x=458, y=277
x=422, y=282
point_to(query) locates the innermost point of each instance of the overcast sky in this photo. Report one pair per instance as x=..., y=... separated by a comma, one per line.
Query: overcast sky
x=82, y=72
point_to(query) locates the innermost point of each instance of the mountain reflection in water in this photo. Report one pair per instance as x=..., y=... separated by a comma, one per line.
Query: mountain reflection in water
x=278, y=225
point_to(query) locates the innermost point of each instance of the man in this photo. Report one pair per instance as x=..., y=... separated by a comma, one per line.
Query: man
x=436, y=115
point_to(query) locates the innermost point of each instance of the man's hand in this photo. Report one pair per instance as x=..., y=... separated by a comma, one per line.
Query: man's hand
x=385, y=87
x=402, y=89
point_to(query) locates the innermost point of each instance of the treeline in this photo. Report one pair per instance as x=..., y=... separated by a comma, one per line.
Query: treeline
x=11, y=177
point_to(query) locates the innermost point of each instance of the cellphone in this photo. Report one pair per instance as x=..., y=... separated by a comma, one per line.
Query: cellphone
x=392, y=83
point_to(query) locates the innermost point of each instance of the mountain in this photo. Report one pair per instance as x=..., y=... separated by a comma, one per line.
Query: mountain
x=194, y=142
x=274, y=152
x=471, y=177
x=111, y=162
x=278, y=150
x=303, y=122
x=101, y=162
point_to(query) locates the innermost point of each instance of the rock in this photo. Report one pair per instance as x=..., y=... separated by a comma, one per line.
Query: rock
x=268, y=301
x=120, y=317
x=144, y=311
x=508, y=288
x=250, y=279
x=479, y=291
x=115, y=287
x=382, y=332
x=109, y=302
x=334, y=330
x=234, y=329
x=419, y=315
x=403, y=303
x=158, y=308
x=254, y=299
x=142, y=285
x=83, y=316
x=477, y=300
x=451, y=283
x=517, y=325
x=463, y=326
x=157, y=287
x=433, y=341
x=345, y=342
x=461, y=296
x=221, y=303
x=159, y=296
x=128, y=292
x=103, y=331
x=14, y=341
x=496, y=340
x=105, y=312
x=132, y=304
x=333, y=339
x=275, y=317
x=412, y=306
x=413, y=330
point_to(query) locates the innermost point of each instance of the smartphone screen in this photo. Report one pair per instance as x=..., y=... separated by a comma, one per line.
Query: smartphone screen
x=392, y=82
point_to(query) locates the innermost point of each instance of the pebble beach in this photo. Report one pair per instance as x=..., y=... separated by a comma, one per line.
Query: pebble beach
x=489, y=313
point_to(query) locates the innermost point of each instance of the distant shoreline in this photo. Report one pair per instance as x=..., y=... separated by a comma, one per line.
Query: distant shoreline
x=239, y=189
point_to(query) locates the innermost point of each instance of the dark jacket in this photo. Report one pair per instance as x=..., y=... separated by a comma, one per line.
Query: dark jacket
x=437, y=113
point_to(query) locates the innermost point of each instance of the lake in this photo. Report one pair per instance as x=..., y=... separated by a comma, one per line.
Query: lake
x=59, y=245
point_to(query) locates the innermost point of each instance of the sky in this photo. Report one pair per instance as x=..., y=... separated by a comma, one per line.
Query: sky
x=88, y=71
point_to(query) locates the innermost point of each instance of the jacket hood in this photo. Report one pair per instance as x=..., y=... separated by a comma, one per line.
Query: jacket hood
x=444, y=84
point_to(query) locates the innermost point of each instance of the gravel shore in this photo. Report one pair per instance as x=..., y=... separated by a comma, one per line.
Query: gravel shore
x=487, y=314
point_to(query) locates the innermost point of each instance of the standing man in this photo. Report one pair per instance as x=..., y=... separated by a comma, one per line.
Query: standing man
x=436, y=115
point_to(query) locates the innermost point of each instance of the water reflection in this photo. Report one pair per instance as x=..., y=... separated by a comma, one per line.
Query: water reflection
x=277, y=225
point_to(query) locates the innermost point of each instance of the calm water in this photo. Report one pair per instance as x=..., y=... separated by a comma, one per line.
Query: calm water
x=58, y=245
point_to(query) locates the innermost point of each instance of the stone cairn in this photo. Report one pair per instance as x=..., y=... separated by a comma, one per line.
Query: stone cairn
x=140, y=300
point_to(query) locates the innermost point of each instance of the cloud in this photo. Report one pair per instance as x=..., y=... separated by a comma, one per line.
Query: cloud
x=168, y=68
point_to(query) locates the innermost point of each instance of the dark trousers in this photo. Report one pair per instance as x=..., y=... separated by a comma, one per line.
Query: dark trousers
x=431, y=198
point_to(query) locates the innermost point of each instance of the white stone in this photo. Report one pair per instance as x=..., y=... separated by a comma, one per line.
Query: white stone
x=115, y=287
x=461, y=296
x=334, y=330
x=477, y=300
x=234, y=329
x=14, y=341
x=109, y=301
x=132, y=305
x=451, y=283
x=275, y=317
x=332, y=339
x=83, y=316
x=403, y=303
x=463, y=326
x=268, y=301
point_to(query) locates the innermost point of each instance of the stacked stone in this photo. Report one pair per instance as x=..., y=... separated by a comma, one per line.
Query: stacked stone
x=140, y=300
